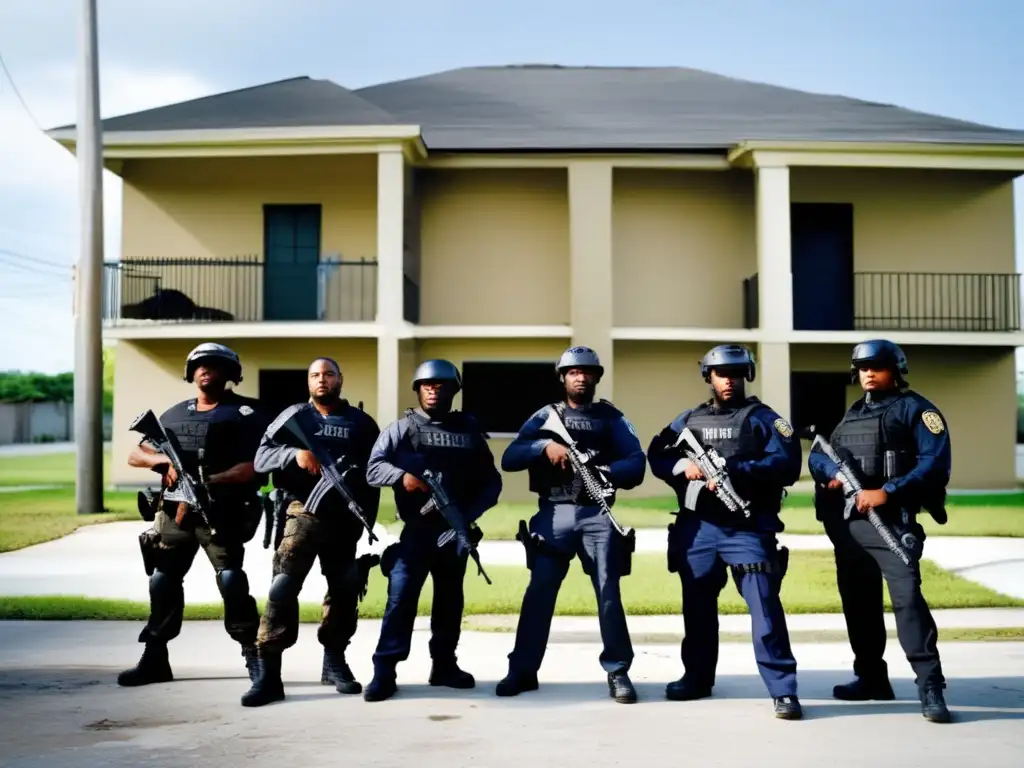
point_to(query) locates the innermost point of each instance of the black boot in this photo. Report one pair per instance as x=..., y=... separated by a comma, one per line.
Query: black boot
x=383, y=686
x=267, y=687
x=620, y=688
x=515, y=683
x=153, y=667
x=339, y=673
x=864, y=689
x=685, y=690
x=788, y=708
x=933, y=705
x=251, y=656
x=325, y=672
x=448, y=674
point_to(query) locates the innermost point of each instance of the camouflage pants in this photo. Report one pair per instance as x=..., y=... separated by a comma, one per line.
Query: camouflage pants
x=172, y=549
x=305, y=539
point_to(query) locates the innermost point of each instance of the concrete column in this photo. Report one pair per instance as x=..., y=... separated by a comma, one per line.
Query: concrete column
x=775, y=286
x=590, y=247
x=390, y=269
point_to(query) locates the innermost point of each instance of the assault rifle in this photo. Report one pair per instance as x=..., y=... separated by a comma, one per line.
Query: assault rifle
x=195, y=494
x=851, y=487
x=441, y=501
x=712, y=466
x=333, y=471
x=597, y=486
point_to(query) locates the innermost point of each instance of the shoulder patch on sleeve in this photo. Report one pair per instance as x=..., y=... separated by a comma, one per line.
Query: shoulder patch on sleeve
x=245, y=410
x=630, y=427
x=934, y=422
x=783, y=428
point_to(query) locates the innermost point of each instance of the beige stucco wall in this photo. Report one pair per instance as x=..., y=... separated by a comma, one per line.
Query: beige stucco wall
x=974, y=388
x=148, y=375
x=494, y=247
x=683, y=243
x=213, y=208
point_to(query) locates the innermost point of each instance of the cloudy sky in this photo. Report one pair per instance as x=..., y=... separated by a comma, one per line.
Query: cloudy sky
x=960, y=58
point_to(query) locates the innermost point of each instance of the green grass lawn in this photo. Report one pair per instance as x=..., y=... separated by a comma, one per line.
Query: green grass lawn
x=32, y=517
x=44, y=469
x=810, y=587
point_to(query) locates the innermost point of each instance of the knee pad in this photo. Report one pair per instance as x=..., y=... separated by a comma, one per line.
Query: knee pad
x=284, y=588
x=232, y=582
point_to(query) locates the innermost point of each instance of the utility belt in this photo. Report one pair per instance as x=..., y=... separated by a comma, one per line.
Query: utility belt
x=535, y=545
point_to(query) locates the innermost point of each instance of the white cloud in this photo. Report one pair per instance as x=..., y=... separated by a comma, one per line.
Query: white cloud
x=39, y=201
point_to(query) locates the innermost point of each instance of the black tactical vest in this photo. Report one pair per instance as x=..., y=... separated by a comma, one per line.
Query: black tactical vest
x=448, y=446
x=731, y=434
x=591, y=428
x=862, y=439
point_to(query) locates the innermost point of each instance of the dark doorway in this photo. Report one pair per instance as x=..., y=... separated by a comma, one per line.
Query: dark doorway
x=291, y=245
x=281, y=388
x=817, y=399
x=526, y=387
x=822, y=254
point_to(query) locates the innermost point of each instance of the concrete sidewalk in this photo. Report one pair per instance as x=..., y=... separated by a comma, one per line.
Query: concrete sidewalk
x=57, y=680
x=104, y=561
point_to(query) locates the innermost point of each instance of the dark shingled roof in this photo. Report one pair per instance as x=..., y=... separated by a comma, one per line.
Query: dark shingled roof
x=541, y=107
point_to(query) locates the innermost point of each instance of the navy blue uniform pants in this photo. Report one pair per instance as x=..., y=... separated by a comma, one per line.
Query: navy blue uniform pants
x=415, y=556
x=567, y=530
x=705, y=552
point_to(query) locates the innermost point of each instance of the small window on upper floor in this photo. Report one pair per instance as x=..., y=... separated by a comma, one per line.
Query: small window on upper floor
x=503, y=395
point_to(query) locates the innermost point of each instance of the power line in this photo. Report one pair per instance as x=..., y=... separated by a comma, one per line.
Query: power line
x=14, y=87
x=47, y=271
x=34, y=259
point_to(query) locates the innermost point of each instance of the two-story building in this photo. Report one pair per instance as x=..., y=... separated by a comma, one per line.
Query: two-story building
x=496, y=215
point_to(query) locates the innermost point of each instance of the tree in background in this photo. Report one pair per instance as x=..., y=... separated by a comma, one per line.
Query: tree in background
x=31, y=387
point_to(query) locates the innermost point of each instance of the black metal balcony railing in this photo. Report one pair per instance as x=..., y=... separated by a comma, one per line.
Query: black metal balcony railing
x=917, y=301
x=245, y=289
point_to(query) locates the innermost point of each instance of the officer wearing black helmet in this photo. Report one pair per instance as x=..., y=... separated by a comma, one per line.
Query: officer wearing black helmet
x=218, y=432
x=449, y=442
x=569, y=522
x=762, y=458
x=318, y=525
x=898, y=443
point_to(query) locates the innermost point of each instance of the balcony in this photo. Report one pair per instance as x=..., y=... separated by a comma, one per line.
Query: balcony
x=241, y=290
x=908, y=301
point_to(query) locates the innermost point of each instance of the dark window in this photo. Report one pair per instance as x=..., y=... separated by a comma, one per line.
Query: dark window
x=504, y=395
x=818, y=399
x=281, y=388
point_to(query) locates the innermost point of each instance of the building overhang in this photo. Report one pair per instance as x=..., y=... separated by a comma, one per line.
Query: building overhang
x=254, y=142
x=843, y=154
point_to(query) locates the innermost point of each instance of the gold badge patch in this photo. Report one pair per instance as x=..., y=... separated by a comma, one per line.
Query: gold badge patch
x=783, y=428
x=933, y=421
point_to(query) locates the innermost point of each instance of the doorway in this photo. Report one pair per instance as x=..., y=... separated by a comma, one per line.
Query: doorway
x=817, y=399
x=282, y=388
x=822, y=265
x=291, y=247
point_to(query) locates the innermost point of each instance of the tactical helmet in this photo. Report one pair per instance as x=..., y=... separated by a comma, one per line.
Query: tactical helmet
x=728, y=356
x=579, y=357
x=211, y=350
x=879, y=351
x=437, y=370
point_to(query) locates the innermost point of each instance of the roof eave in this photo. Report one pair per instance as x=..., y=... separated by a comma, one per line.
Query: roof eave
x=235, y=136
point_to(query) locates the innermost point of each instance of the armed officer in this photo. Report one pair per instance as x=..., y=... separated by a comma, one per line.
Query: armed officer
x=217, y=433
x=319, y=524
x=762, y=457
x=570, y=522
x=897, y=444
x=450, y=443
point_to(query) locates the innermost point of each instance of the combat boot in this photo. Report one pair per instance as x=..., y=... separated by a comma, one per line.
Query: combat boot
x=382, y=686
x=933, y=705
x=685, y=690
x=251, y=656
x=447, y=673
x=339, y=673
x=620, y=688
x=153, y=667
x=788, y=708
x=515, y=683
x=267, y=687
x=325, y=672
x=864, y=689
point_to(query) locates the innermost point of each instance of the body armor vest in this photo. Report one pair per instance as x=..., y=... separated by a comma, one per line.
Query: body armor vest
x=450, y=447
x=339, y=434
x=862, y=439
x=591, y=428
x=731, y=434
